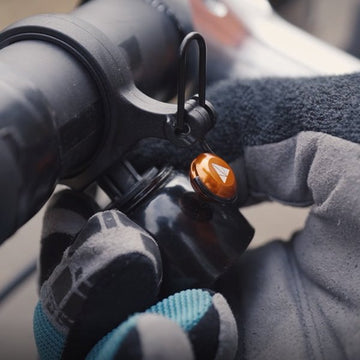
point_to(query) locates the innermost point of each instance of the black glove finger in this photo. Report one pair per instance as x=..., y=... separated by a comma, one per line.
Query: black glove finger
x=66, y=214
x=112, y=270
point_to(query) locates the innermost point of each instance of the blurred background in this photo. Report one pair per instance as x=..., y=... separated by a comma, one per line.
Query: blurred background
x=336, y=22
x=331, y=20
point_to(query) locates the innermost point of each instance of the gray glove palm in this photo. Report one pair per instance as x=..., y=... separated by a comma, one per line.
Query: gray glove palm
x=300, y=146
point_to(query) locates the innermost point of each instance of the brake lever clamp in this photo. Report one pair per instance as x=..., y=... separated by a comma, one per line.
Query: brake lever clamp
x=198, y=121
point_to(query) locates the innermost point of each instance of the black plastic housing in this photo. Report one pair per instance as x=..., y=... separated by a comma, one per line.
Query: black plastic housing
x=199, y=240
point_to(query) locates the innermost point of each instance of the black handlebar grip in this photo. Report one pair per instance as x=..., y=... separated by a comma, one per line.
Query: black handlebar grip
x=29, y=152
x=51, y=109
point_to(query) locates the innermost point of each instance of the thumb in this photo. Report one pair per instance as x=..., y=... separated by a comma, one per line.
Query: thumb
x=191, y=323
x=144, y=337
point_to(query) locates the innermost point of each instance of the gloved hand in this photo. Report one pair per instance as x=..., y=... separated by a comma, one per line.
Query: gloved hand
x=98, y=275
x=295, y=141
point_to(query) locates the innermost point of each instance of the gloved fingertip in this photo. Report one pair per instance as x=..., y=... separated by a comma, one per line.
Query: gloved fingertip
x=144, y=337
x=112, y=230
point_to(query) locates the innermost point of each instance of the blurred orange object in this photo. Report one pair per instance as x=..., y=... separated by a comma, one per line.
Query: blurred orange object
x=225, y=28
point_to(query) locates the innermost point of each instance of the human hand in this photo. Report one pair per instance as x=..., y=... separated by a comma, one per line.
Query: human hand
x=297, y=142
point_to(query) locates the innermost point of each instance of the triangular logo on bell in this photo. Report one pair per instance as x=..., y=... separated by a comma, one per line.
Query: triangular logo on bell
x=221, y=171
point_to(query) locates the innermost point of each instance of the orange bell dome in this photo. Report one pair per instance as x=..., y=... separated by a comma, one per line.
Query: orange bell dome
x=213, y=177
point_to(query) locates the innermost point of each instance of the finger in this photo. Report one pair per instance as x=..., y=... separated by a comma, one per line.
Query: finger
x=205, y=318
x=144, y=337
x=260, y=114
x=112, y=270
x=317, y=167
x=66, y=214
x=301, y=299
x=263, y=121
